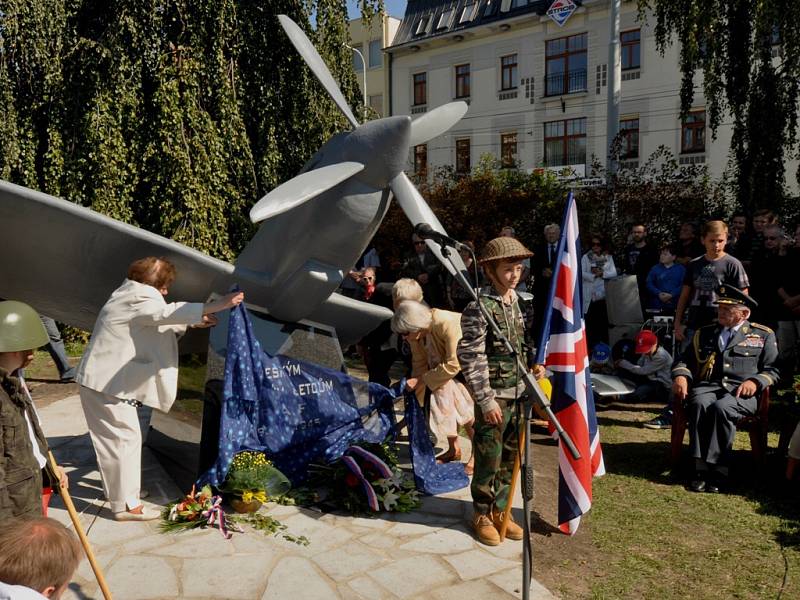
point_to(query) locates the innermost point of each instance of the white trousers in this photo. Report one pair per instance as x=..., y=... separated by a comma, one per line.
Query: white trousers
x=117, y=440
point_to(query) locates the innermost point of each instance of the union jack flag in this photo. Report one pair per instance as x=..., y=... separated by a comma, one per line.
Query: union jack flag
x=563, y=350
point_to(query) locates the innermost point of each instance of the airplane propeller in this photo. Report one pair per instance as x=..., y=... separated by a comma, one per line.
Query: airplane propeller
x=314, y=61
x=424, y=128
x=303, y=187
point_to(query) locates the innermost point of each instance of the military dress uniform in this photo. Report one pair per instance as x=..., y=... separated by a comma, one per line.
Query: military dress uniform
x=716, y=363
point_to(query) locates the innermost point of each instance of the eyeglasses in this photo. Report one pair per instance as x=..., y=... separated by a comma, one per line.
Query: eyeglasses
x=369, y=279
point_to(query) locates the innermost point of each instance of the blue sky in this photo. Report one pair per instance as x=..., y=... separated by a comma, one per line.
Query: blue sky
x=395, y=8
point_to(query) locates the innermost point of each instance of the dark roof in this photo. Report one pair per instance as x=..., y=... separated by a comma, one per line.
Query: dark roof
x=427, y=19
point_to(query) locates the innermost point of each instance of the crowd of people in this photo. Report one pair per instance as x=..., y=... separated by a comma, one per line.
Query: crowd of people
x=716, y=360
x=678, y=280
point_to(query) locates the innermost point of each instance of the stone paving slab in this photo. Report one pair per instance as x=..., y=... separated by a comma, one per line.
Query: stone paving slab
x=426, y=554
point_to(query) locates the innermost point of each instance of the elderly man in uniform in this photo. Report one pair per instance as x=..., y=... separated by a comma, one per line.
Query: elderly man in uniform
x=728, y=365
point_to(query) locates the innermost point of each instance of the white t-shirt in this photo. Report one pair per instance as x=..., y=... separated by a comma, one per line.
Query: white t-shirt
x=18, y=592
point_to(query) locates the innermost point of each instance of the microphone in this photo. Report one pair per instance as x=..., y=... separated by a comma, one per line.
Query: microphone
x=426, y=232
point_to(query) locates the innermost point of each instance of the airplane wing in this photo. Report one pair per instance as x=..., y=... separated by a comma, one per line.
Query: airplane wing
x=65, y=260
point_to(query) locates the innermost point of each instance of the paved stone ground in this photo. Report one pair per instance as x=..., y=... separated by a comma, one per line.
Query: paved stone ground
x=426, y=554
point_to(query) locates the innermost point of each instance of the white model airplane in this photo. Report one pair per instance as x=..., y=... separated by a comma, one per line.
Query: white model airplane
x=65, y=259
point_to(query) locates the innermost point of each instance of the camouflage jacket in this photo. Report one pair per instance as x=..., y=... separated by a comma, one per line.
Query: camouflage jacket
x=485, y=363
x=20, y=474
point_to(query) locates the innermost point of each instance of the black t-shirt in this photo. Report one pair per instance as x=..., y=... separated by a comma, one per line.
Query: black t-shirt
x=704, y=277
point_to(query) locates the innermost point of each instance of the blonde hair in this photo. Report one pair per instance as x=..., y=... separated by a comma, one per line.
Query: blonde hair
x=406, y=289
x=714, y=228
x=38, y=553
x=411, y=316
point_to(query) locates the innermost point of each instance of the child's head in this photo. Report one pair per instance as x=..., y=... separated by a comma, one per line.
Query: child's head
x=646, y=342
x=668, y=254
x=715, y=236
x=21, y=332
x=502, y=262
x=406, y=289
x=38, y=553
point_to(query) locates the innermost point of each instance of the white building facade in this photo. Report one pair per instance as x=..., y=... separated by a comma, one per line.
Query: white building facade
x=537, y=91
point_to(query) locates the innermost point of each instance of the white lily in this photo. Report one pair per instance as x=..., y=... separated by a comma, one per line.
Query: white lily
x=390, y=500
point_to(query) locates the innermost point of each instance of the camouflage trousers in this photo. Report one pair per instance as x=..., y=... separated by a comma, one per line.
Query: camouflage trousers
x=494, y=449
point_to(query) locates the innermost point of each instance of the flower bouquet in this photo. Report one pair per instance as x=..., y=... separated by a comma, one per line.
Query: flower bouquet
x=196, y=509
x=365, y=479
x=252, y=480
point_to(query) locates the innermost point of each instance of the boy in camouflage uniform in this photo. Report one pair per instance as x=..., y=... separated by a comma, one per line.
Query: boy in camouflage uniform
x=494, y=381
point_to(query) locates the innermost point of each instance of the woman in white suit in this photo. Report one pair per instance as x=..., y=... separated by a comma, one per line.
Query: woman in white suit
x=130, y=362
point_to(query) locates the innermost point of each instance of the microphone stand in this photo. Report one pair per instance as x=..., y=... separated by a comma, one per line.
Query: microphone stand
x=533, y=394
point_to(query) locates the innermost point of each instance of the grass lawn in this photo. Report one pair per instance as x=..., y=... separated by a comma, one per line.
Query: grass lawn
x=658, y=540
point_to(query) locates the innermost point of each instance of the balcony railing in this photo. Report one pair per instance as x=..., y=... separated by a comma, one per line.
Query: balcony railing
x=557, y=84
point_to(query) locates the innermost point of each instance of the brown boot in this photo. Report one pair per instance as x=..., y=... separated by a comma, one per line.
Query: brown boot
x=485, y=531
x=513, y=531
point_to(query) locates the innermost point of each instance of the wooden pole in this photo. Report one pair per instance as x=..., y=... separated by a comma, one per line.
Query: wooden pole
x=73, y=514
x=514, y=476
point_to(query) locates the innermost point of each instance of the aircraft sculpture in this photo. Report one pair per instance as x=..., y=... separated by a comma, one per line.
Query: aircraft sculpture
x=65, y=259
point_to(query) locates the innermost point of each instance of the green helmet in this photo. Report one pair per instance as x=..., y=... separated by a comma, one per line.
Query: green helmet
x=20, y=327
x=504, y=248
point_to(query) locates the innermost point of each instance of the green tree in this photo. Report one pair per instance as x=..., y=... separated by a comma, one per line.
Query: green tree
x=174, y=115
x=732, y=43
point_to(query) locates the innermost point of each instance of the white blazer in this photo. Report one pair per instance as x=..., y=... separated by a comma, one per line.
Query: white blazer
x=133, y=353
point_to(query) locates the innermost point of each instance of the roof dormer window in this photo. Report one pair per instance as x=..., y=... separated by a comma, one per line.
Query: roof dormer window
x=444, y=19
x=422, y=25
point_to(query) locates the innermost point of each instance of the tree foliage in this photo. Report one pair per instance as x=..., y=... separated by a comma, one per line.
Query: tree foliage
x=173, y=115
x=660, y=193
x=732, y=42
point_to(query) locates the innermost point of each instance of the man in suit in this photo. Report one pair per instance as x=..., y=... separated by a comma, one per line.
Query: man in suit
x=544, y=258
x=425, y=268
x=728, y=365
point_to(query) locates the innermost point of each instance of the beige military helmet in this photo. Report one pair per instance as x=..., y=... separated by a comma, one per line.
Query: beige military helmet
x=20, y=327
x=504, y=248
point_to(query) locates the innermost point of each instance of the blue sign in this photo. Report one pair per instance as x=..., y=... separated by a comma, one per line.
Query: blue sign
x=561, y=10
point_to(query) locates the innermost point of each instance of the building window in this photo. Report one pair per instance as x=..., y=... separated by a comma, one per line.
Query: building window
x=631, y=49
x=375, y=54
x=491, y=7
x=463, y=158
x=462, y=81
x=444, y=19
x=420, y=88
x=565, y=65
x=422, y=26
x=358, y=66
x=565, y=142
x=376, y=104
x=508, y=150
x=508, y=72
x=421, y=161
x=629, y=139
x=468, y=13
x=693, y=132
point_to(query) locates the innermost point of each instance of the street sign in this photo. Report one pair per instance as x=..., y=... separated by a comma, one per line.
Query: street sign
x=561, y=10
